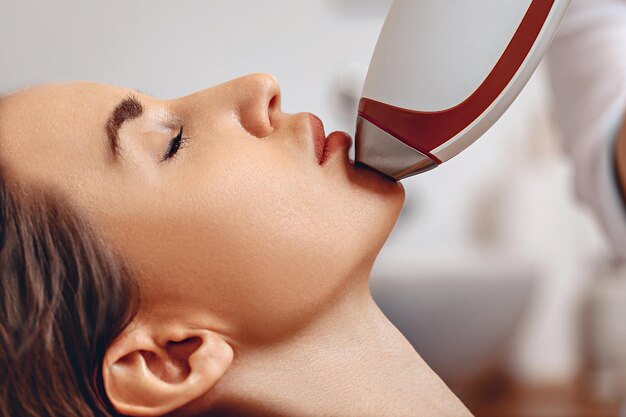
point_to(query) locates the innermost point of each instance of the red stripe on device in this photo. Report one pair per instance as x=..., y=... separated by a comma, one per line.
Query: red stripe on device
x=426, y=131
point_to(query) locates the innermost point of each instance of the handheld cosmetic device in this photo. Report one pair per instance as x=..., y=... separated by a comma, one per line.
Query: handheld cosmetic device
x=442, y=73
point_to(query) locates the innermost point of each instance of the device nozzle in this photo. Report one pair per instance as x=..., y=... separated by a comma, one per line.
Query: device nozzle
x=386, y=154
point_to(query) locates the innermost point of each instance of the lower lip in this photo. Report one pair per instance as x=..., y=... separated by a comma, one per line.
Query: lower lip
x=335, y=142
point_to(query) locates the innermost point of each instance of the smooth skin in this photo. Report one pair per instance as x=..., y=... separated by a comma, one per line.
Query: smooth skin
x=253, y=259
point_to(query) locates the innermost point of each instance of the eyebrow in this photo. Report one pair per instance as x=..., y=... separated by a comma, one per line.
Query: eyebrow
x=129, y=108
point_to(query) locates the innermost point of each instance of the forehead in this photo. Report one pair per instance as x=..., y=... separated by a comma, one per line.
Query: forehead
x=47, y=103
x=44, y=128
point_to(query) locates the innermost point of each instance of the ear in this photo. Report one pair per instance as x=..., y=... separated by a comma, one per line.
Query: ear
x=151, y=372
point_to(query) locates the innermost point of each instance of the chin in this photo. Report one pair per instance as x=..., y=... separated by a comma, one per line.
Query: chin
x=373, y=181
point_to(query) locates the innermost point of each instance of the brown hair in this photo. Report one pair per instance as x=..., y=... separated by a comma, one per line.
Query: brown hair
x=64, y=296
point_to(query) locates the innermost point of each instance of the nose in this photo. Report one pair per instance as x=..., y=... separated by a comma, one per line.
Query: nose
x=258, y=103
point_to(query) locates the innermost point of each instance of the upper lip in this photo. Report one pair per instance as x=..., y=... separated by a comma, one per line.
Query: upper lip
x=319, y=136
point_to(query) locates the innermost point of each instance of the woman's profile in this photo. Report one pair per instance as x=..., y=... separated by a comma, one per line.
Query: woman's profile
x=196, y=256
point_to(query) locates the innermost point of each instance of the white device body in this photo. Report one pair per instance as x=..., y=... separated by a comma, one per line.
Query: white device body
x=443, y=72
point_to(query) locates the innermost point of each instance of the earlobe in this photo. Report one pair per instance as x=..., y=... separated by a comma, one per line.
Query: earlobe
x=154, y=372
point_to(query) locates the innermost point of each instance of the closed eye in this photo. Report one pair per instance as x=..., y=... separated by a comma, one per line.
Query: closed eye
x=174, y=146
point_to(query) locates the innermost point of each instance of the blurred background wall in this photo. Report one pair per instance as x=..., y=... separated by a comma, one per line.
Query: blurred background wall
x=492, y=262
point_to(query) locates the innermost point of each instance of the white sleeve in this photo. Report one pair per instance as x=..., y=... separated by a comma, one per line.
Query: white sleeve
x=587, y=68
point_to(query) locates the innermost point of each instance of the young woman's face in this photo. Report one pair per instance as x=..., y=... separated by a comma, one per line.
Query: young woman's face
x=241, y=221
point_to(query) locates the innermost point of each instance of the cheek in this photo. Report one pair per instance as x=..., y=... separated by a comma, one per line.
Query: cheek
x=263, y=239
x=260, y=242
x=277, y=242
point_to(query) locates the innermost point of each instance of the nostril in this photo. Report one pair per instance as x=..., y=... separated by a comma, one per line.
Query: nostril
x=258, y=110
x=272, y=91
x=273, y=110
x=274, y=103
x=255, y=123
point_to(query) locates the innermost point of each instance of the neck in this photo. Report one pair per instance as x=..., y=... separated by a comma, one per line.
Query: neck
x=350, y=362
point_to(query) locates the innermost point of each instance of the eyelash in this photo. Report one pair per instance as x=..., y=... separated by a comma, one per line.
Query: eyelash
x=174, y=146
